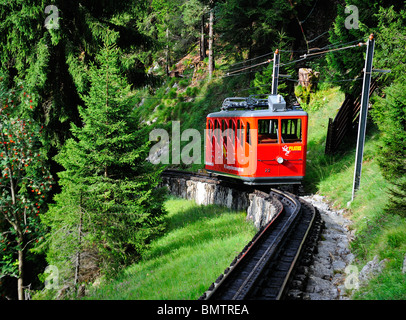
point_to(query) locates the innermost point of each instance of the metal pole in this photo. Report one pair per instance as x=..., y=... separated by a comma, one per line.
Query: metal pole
x=363, y=114
x=275, y=74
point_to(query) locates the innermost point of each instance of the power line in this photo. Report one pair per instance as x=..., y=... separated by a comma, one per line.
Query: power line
x=250, y=67
x=302, y=57
x=331, y=50
x=314, y=6
x=245, y=61
x=327, y=81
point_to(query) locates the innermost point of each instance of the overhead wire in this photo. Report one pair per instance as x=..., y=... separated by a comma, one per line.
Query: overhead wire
x=250, y=67
x=247, y=60
x=333, y=48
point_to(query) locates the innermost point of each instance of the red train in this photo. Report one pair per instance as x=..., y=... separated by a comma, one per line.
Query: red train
x=257, y=140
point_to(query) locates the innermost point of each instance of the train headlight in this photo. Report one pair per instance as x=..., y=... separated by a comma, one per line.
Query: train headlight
x=279, y=160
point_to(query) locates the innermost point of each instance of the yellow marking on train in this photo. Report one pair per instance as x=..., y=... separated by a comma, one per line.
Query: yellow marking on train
x=295, y=148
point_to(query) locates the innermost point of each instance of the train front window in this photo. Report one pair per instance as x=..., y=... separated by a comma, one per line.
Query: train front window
x=291, y=130
x=268, y=131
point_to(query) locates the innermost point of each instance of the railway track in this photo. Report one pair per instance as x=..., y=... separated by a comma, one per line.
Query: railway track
x=277, y=255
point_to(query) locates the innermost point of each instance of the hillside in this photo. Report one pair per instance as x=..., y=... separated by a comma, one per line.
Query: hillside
x=83, y=88
x=376, y=232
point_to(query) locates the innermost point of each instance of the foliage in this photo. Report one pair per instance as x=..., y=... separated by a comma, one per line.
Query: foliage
x=24, y=182
x=348, y=64
x=253, y=25
x=391, y=41
x=376, y=232
x=53, y=62
x=200, y=243
x=262, y=84
x=174, y=26
x=389, y=110
x=109, y=200
x=390, y=115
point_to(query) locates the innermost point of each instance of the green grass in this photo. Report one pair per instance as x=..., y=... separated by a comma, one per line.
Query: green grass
x=377, y=231
x=200, y=243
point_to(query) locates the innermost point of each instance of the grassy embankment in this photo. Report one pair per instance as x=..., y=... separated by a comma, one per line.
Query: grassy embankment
x=377, y=232
x=200, y=243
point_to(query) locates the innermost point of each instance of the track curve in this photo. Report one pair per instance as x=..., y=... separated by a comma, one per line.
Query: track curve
x=268, y=263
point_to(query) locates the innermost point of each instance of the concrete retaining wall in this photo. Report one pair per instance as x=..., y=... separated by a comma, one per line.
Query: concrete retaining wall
x=259, y=208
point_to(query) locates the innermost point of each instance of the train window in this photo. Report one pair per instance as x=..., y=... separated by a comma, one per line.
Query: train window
x=248, y=133
x=234, y=132
x=268, y=131
x=217, y=126
x=240, y=132
x=291, y=130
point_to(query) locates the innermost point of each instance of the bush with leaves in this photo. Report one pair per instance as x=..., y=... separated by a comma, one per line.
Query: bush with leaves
x=390, y=115
x=24, y=182
x=389, y=109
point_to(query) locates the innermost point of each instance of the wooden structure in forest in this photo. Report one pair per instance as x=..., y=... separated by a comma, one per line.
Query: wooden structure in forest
x=344, y=121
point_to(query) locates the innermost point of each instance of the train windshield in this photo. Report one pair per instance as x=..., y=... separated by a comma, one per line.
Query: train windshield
x=268, y=131
x=291, y=130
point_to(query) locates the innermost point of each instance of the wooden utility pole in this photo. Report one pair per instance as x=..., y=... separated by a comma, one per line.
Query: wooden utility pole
x=202, y=40
x=363, y=114
x=211, y=21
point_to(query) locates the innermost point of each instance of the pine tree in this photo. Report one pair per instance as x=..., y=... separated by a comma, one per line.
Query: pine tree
x=389, y=108
x=348, y=64
x=109, y=200
x=53, y=62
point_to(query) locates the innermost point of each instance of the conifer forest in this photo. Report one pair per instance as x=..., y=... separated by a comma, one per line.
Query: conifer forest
x=83, y=83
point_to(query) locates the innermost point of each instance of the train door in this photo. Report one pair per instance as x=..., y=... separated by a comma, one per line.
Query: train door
x=292, y=147
x=268, y=147
x=230, y=137
x=218, y=153
x=240, y=143
x=224, y=127
x=210, y=143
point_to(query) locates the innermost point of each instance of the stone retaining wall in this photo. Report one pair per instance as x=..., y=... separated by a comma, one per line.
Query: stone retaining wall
x=260, y=209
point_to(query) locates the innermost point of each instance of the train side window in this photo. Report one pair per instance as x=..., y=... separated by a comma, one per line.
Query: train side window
x=224, y=132
x=268, y=131
x=248, y=134
x=240, y=132
x=291, y=130
x=217, y=126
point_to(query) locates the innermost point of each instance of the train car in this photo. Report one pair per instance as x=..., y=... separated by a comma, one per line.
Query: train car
x=257, y=140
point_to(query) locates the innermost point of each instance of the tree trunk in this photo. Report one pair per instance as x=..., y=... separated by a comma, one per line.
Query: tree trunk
x=20, y=284
x=211, y=60
x=202, y=41
x=167, y=51
x=77, y=265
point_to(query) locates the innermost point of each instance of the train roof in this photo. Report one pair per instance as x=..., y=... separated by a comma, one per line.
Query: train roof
x=273, y=105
